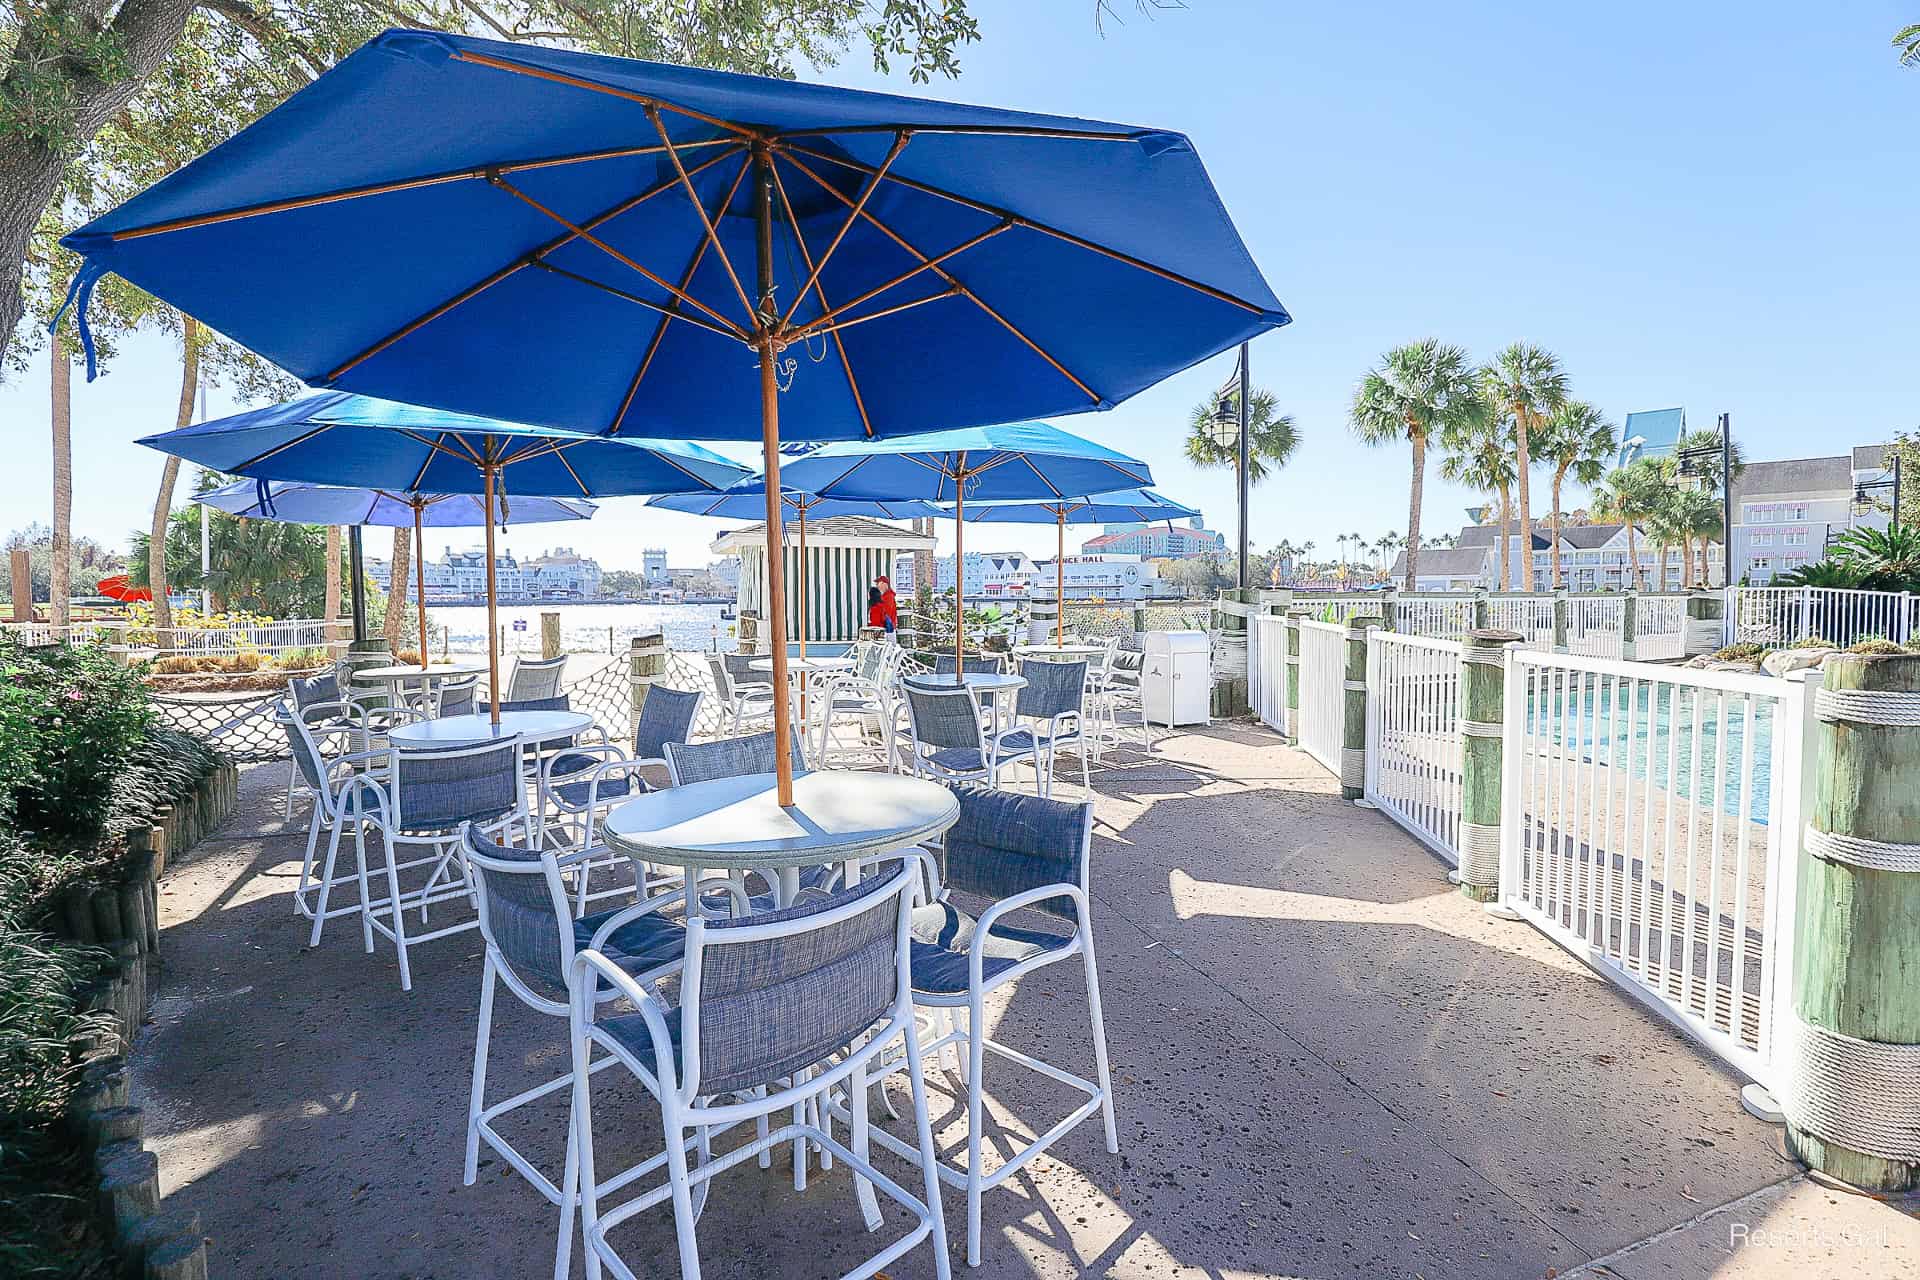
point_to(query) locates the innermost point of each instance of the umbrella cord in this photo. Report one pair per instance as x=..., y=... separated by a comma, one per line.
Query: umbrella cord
x=794, y=269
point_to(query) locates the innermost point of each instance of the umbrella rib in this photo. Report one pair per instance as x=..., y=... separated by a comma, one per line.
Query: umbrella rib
x=532, y=258
x=1051, y=486
x=472, y=174
x=1041, y=227
x=420, y=476
x=561, y=454
x=616, y=255
x=819, y=291
x=638, y=301
x=994, y=130
x=660, y=331
x=282, y=447
x=700, y=207
x=577, y=82
x=951, y=291
x=900, y=140
x=812, y=326
x=944, y=274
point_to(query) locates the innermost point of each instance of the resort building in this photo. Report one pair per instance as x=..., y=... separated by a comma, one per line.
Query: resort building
x=844, y=555
x=561, y=574
x=1593, y=557
x=1100, y=577
x=653, y=566
x=1157, y=541
x=1785, y=513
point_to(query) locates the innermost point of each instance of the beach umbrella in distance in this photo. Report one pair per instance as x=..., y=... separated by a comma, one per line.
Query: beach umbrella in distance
x=1125, y=506
x=120, y=587
x=747, y=499
x=297, y=503
x=606, y=245
x=1015, y=461
x=336, y=438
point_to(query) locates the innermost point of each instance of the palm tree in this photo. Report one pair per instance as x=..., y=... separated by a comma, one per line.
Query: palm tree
x=330, y=610
x=1631, y=494
x=1306, y=554
x=1576, y=440
x=60, y=565
x=1480, y=456
x=1412, y=395
x=1907, y=41
x=1389, y=543
x=1699, y=517
x=1528, y=383
x=399, y=578
x=1271, y=437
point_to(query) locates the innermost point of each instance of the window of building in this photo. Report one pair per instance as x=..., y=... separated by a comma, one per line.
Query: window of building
x=1761, y=564
x=1794, y=538
x=1762, y=539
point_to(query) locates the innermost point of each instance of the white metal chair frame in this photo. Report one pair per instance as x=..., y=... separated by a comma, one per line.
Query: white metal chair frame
x=375, y=798
x=740, y=700
x=1067, y=727
x=969, y=1039
x=497, y=969
x=994, y=752
x=340, y=773
x=864, y=692
x=359, y=719
x=685, y=1113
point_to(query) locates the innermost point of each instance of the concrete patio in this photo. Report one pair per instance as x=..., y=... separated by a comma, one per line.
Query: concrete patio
x=1328, y=1063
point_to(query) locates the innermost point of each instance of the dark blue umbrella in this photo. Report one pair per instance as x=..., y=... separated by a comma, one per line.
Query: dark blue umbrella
x=1016, y=461
x=749, y=498
x=1125, y=506
x=342, y=439
x=293, y=502
x=602, y=244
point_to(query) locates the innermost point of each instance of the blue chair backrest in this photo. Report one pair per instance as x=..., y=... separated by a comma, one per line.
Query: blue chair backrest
x=1052, y=688
x=443, y=787
x=314, y=689
x=727, y=757
x=943, y=665
x=1006, y=843
x=520, y=917
x=944, y=718
x=666, y=716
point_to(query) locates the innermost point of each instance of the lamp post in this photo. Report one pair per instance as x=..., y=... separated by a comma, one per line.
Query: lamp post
x=1231, y=427
x=1864, y=489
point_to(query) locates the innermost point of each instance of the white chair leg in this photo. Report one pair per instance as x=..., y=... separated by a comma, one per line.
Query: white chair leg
x=399, y=916
x=1099, y=1025
x=976, y=1068
x=676, y=1137
x=482, y=1037
x=366, y=889
x=585, y=1180
x=929, y=1158
x=306, y=885
x=569, y=1204
x=326, y=885
x=858, y=1140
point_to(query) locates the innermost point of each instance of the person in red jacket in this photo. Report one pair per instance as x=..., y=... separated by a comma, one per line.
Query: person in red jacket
x=889, y=606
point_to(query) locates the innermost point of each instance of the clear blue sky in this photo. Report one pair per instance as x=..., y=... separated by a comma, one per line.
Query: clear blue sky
x=1709, y=205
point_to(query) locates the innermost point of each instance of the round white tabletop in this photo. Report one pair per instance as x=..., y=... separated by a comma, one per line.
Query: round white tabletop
x=1059, y=652
x=799, y=664
x=413, y=671
x=734, y=824
x=470, y=731
x=977, y=682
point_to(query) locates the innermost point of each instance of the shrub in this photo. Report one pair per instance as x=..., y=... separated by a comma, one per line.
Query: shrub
x=301, y=659
x=247, y=660
x=1875, y=645
x=87, y=715
x=1745, y=651
x=176, y=666
x=1812, y=642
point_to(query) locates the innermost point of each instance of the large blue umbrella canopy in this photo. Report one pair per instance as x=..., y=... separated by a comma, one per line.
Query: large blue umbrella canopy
x=294, y=502
x=298, y=503
x=1124, y=506
x=335, y=437
x=573, y=240
x=1026, y=461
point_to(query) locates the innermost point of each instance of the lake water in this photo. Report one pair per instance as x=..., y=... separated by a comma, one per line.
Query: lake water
x=587, y=627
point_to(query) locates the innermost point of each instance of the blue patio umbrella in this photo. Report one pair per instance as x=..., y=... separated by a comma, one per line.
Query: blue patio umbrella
x=1124, y=506
x=748, y=499
x=338, y=438
x=603, y=245
x=1016, y=461
x=293, y=502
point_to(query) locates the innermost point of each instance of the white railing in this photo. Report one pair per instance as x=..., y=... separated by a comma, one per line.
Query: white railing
x=1267, y=671
x=1413, y=736
x=1323, y=680
x=1596, y=625
x=1337, y=609
x=1650, y=825
x=1782, y=615
x=262, y=637
x=1441, y=617
x=1531, y=616
x=37, y=634
x=1659, y=627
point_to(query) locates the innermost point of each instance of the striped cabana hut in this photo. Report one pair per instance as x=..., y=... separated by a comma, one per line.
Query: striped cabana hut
x=844, y=554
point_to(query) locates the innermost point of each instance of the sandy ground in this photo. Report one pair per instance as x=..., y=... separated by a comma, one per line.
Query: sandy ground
x=1327, y=1063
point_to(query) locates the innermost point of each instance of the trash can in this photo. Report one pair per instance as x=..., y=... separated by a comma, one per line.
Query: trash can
x=1176, y=679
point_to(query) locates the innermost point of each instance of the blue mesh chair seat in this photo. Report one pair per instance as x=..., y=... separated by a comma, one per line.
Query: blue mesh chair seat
x=1022, y=853
x=947, y=743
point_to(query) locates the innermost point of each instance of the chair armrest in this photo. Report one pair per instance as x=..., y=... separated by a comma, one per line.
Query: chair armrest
x=627, y=915
x=585, y=749
x=983, y=929
x=584, y=997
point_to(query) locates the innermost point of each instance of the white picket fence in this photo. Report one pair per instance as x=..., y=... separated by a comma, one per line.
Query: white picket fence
x=1782, y=615
x=1413, y=736
x=1650, y=822
x=1443, y=617
x=1267, y=665
x=1659, y=628
x=1531, y=616
x=1323, y=673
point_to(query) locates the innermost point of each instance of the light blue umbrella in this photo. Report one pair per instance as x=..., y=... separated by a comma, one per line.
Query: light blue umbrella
x=747, y=499
x=294, y=502
x=1025, y=461
x=1124, y=506
x=340, y=439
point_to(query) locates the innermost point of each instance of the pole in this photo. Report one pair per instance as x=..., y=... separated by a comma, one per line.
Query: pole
x=206, y=558
x=770, y=457
x=802, y=593
x=357, y=570
x=959, y=573
x=1246, y=399
x=1060, y=581
x=1726, y=499
x=1895, y=522
x=420, y=574
x=490, y=471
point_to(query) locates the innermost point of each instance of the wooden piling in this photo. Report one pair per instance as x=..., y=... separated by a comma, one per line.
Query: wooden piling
x=1706, y=623
x=1482, y=609
x=1562, y=619
x=1295, y=617
x=1854, y=1112
x=549, y=634
x=1483, y=674
x=1353, y=734
x=646, y=665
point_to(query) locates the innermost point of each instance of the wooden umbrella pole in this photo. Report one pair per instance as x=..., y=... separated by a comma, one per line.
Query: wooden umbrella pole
x=959, y=578
x=493, y=606
x=1060, y=580
x=420, y=578
x=770, y=458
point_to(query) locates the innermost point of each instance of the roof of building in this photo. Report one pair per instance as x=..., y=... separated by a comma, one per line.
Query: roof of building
x=1445, y=562
x=1794, y=476
x=838, y=531
x=1488, y=535
x=1586, y=537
